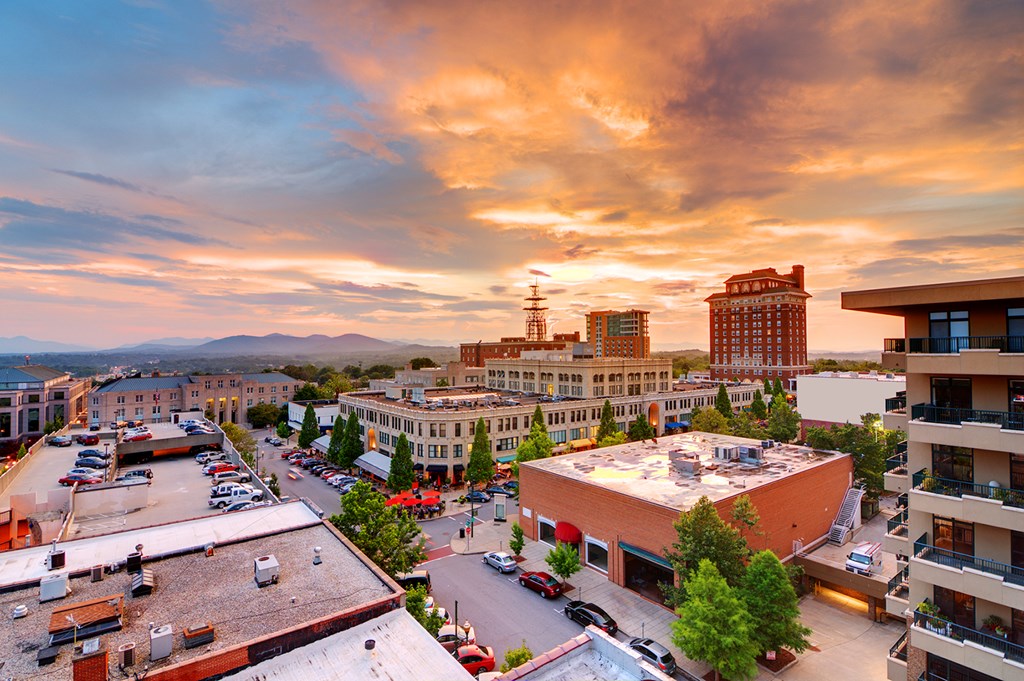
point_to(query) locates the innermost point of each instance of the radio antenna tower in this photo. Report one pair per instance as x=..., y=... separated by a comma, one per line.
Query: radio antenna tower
x=536, y=321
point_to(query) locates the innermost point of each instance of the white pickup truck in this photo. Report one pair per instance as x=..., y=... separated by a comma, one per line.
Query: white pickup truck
x=221, y=496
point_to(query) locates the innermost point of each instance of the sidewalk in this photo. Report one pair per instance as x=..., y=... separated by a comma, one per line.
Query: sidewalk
x=845, y=643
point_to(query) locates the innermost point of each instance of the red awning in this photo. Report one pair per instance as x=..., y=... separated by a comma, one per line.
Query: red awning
x=567, y=533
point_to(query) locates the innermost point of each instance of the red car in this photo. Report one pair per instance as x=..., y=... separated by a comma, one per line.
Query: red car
x=541, y=582
x=138, y=437
x=219, y=467
x=83, y=478
x=475, y=659
x=87, y=439
x=290, y=452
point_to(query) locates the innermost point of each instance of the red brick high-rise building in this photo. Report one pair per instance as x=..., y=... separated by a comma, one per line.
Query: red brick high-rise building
x=758, y=326
x=612, y=333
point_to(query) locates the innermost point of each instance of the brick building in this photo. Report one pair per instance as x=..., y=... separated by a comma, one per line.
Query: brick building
x=477, y=354
x=619, y=334
x=618, y=504
x=758, y=326
x=31, y=395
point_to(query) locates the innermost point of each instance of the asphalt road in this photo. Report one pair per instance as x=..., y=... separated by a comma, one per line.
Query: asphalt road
x=305, y=484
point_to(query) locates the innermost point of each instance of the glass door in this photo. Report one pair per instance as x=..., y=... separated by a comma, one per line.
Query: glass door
x=950, y=397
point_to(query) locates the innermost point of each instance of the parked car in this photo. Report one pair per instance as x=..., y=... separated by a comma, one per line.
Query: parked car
x=414, y=578
x=541, y=582
x=218, y=467
x=137, y=437
x=452, y=636
x=346, y=487
x=478, y=497
x=512, y=485
x=90, y=462
x=87, y=439
x=230, y=476
x=83, y=471
x=61, y=441
x=201, y=431
x=500, y=561
x=497, y=489
x=138, y=473
x=85, y=479
x=288, y=453
x=475, y=659
x=235, y=494
x=655, y=653
x=210, y=457
x=93, y=453
x=94, y=427
x=275, y=441
x=238, y=506
x=588, y=613
x=342, y=480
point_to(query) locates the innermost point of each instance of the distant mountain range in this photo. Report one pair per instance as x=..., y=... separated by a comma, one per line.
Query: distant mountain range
x=164, y=343
x=23, y=345
x=280, y=344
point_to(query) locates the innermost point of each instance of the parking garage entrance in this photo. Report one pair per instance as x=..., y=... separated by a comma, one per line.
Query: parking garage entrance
x=643, y=571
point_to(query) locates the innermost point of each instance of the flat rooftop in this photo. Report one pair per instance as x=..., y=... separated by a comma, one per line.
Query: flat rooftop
x=465, y=399
x=854, y=375
x=193, y=589
x=644, y=469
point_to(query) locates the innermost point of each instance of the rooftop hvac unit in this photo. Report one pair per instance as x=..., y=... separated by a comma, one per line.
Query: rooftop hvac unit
x=55, y=560
x=161, y=640
x=96, y=573
x=126, y=655
x=134, y=562
x=752, y=453
x=727, y=453
x=52, y=587
x=266, y=570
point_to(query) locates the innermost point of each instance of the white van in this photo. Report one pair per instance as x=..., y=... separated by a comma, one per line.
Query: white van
x=865, y=559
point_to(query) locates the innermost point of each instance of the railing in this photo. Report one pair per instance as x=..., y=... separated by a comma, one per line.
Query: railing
x=897, y=464
x=899, y=649
x=895, y=345
x=956, y=488
x=897, y=525
x=945, y=346
x=899, y=585
x=940, y=556
x=902, y=501
x=1007, y=420
x=943, y=627
x=901, y=447
x=896, y=405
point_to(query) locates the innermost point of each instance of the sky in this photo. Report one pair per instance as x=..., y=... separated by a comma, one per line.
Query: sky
x=405, y=170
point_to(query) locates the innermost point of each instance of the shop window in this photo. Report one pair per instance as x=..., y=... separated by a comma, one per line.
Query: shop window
x=546, y=531
x=597, y=554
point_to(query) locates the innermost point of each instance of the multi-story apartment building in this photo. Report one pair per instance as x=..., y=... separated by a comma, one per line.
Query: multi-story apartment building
x=454, y=373
x=962, y=530
x=440, y=423
x=619, y=334
x=479, y=353
x=758, y=326
x=32, y=395
x=154, y=399
x=560, y=374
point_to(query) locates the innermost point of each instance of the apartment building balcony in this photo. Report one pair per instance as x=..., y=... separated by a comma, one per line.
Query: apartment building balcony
x=897, y=667
x=986, y=653
x=896, y=539
x=968, y=355
x=980, y=577
x=894, y=354
x=895, y=478
x=895, y=415
x=1001, y=431
x=898, y=594
x=982, y=504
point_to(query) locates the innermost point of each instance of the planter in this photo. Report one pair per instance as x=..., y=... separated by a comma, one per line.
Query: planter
x=868, y=508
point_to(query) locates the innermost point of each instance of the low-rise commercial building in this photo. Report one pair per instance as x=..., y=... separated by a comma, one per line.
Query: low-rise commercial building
x=32, y=395
x=836, y=397
x=550, y=373
x=452, y=374
x=479, y=353
x=617, y=505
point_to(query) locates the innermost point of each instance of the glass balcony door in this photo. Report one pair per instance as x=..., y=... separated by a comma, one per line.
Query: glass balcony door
x=953, y=463
x=949, y=396
x=954, y=535
x=948, y=331
x=955, y=606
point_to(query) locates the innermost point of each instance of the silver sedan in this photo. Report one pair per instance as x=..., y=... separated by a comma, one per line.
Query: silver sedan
x=500, y=561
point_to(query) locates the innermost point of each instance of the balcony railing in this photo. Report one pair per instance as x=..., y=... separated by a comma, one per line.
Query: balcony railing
x=940, y=556
x=921, y=480
x=897, y=525
x=899, y=585
x=896, y=405
x=1007, y=420
x=901, y=501
x=896, y=464
x=899, y=649
x=946, y=346
x=957, y=632
x=895, y=345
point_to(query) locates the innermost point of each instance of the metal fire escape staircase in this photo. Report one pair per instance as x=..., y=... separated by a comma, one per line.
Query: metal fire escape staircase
x=843, y=525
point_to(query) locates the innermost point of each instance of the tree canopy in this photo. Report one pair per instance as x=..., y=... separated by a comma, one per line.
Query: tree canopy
x=722, y=402
x=351, y=445
x=262, y=415
x=564, y=561
x=703, y=535
x=784, y=421
x=386, y=534
x=308, y=392
x=337, y=435
x=481, y=465
x=709, y=421
x=608, y=425
x=757, y=406
x=310, y=428
x=772, y=602
x=422, y=363
x=416, y=604
x=641, y=429
x=537, y=444
x=868, y=443
x=402, y=475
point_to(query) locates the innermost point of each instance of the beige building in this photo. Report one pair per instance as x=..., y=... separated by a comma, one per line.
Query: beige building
x=452, y=374
x=962, y=531
x=32, y=395
x=155, y=399
x=557, y=373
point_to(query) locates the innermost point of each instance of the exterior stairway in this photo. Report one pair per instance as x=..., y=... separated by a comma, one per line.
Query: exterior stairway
x=843, y=525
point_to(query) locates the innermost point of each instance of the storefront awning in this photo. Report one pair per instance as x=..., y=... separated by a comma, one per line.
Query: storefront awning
x=458, y=468
x=417, y=467
x=643, y=553
x=321, y=444
x=437, y=468
x=678, y=424
x=375, y=463
x=508, y=458
x=567, y=533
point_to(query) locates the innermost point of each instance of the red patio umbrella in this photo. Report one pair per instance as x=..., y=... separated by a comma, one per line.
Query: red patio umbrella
x=431, y=494
x=393, y=501
x=412, y=501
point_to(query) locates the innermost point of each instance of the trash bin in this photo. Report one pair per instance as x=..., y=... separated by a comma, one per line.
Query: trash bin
x=462, y=533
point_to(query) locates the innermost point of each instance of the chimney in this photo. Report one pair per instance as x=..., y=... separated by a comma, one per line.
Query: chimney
x=91, y=666
x=798, y=274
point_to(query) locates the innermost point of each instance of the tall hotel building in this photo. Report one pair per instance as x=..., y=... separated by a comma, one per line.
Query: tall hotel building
x=758, y=326
x=619, y=334
x=961, y=532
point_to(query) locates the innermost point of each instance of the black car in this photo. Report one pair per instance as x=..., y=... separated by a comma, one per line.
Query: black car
x=93, y=454
x=90, y=462
x=655, y=653
x=494, y=491
x=588, y=613
x=512, y=485
x=478, y=497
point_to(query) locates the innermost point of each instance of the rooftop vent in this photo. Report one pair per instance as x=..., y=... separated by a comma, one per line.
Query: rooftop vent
x=133, y=562
x=143, y=583
x=266, y=570
x=19, y=612
x=199, y=635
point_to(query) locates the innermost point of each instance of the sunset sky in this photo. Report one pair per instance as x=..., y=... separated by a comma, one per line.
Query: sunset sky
x=180, y=168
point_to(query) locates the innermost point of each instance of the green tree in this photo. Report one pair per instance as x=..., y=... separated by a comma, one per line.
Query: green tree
x=481, y=465
x=703, y=535
x=402, y=475
x=869, y=444
x=351, y=445
x=308, y=392
x=337, y=384
x=784, y=421
x=777, y=388
x=757, y=406
x=416, y=604
x=422, y=363
x=616, y=438
x=608, y=425
x=284, y=431
x=310, y=428
x=517, y=542
x=22, y=452
x=745, y=516
x=244, y=442
x=442, y=382
x=714, y=626
x=274, y=485
x=641, y=429
x=744, y=425
x=388, y=535
x=537, y=444
x=337, y=435
x=53, y=426
x=769, y=390
x=262, y=415
x=564, y=561
x=709, y=421
x=772, y=603
x=722, y=402
x=516, y=657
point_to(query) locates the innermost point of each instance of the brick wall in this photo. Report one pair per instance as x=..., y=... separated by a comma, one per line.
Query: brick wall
x=91, y=667
x=800, y=506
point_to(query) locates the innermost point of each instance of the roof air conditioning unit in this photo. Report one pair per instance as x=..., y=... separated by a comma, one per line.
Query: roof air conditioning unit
x=52, y=587
x=134, y=562
x=266, y=570
x=96, y=573
x=161, y=640
x=55, y=560
x=126, y=655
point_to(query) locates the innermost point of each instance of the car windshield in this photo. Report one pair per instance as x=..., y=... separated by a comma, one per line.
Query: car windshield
x=860, y=558
x=550, y=581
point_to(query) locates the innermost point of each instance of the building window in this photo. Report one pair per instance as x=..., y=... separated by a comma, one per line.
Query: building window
x=546, y=530
x=5, y=423
x=953, y=463
x=456, y=451
x=597, y=553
